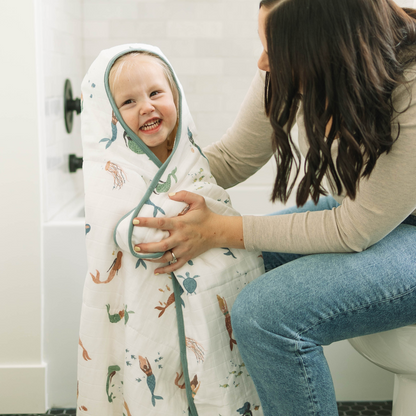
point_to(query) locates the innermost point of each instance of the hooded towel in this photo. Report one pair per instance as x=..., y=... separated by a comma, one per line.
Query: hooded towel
x=153, y=345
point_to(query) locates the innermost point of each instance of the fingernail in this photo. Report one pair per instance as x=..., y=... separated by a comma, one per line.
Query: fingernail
x=137, y=249
x=156, y=274
x=172, y=194
x=136, y=221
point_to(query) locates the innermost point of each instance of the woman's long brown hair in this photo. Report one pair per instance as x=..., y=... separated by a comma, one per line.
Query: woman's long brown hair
x=342, y=59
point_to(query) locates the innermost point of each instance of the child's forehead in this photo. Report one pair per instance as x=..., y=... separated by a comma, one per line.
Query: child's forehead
x=140, y=59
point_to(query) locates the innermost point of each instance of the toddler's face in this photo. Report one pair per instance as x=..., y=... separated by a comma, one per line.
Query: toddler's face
x=145, y=101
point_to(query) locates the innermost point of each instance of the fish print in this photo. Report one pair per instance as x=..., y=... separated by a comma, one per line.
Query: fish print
x=224, y=309
x=150, y=378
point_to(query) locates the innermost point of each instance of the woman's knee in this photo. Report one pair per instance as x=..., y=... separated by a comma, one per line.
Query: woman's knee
x=240, y=312
x=257, y=308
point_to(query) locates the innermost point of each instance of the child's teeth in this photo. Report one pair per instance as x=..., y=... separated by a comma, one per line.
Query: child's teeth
x=151, y=125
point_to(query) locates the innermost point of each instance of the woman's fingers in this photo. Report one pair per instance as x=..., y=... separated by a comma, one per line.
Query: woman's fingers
x=171, y=267
x=193, y=200
x=191, y=232
x=163, y=224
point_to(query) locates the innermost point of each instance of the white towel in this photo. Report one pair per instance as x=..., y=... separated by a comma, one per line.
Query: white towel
x=133, y=357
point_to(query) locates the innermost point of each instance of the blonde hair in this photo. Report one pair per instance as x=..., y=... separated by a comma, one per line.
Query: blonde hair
x=122, y=60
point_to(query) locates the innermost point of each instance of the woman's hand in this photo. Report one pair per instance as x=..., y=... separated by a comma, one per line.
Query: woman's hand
x=194, y=231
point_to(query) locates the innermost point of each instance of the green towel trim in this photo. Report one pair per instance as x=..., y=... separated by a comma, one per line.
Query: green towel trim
x=182, y=345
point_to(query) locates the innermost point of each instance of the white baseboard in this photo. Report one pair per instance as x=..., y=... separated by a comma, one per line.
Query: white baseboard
x=22, y=389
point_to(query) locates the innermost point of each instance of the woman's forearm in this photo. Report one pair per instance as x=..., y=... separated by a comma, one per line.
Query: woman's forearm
x=227, y=231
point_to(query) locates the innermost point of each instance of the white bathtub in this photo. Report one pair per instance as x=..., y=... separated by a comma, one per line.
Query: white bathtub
x=65, y=267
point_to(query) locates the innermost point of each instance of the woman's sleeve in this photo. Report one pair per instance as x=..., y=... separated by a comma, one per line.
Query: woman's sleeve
x=247, y=145
x=382, y=202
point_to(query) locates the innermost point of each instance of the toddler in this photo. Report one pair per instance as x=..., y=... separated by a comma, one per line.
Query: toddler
x=152, y=345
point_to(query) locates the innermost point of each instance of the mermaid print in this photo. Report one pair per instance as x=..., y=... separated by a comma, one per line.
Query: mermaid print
x=131, y=144
x=155, y=208
x=85, y=355
x=114, y=122
x=165, y=186
x=112, y=370
x=150, y=378
x=170, y=301
x=224, y=309
x=117, y=317
x=191, y=139
x=114, y=268
x=195, y=385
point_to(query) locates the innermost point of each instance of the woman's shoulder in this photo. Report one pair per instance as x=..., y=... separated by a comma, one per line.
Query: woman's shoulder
x=405, y=92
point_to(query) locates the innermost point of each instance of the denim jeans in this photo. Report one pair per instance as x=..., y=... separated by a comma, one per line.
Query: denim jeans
x=282, y=319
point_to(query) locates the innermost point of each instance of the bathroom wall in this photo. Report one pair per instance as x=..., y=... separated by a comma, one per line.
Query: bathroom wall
x=61, y=54
x=22, y=372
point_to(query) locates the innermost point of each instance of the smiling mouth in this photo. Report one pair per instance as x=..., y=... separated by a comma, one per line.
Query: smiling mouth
x=151, y=125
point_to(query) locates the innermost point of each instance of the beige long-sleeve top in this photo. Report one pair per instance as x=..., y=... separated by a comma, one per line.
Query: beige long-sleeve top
x=383, y=200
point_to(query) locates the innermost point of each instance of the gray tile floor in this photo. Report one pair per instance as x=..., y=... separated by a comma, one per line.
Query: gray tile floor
x=364, y=408
x=344, y=409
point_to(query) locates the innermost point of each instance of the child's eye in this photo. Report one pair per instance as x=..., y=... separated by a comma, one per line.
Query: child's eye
x=152, y=94
x=127, y=102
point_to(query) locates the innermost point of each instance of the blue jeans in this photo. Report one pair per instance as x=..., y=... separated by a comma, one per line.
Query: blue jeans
x=282, y=319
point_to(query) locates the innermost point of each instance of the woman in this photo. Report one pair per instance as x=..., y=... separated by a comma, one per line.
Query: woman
x=337, y=266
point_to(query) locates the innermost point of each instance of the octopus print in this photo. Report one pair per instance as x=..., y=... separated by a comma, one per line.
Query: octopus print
x=119, y=176
x=196, y=348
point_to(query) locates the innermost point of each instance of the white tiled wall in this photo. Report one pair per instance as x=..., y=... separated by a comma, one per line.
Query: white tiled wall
x=212, y=45
x=61, y=57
